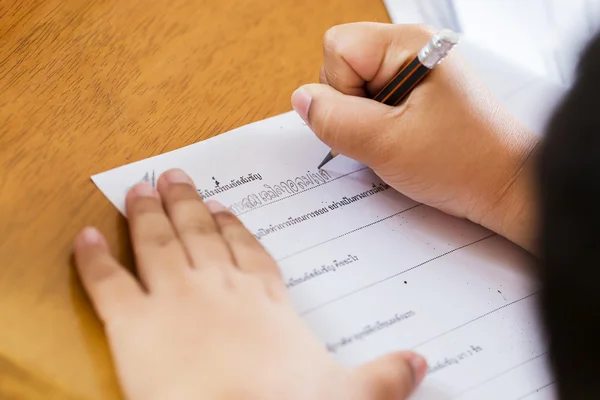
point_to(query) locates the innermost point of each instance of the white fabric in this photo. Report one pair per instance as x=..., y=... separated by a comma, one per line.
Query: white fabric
x=544, y=36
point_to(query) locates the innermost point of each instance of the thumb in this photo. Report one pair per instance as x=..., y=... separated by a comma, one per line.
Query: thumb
x=357, y=127
x=393, y=376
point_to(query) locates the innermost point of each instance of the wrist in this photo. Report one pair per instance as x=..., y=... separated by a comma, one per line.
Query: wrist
x=511, y=211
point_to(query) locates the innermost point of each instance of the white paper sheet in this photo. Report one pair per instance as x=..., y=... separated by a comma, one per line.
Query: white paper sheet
x=368, y=269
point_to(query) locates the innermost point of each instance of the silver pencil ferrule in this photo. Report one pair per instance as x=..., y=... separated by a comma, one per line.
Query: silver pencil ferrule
x=438, y=47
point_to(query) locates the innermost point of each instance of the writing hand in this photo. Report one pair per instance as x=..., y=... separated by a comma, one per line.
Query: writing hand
x=450, y=145
x=209, y=317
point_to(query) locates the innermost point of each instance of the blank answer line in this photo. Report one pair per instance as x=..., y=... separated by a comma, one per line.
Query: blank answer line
x=348, y=233
x=506, y=371
x=536, y=390
x=302, y=191
x=473, y=320
x=310, y=310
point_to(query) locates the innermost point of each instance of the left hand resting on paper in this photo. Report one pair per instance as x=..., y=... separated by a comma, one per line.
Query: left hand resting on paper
x=209, y=317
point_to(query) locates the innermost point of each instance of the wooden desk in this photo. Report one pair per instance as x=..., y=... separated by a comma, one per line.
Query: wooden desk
x=90, y=85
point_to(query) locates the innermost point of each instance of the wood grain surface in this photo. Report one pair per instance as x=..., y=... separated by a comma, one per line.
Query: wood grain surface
x=86, y=86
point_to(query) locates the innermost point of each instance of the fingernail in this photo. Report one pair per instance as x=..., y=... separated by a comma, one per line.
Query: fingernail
x=90, y=235
x=144, y=189
x=301, y=100
x=419, y=366
x=214, y=206
x=178, y=176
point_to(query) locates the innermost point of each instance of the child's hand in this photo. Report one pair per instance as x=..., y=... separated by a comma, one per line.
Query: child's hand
x=210, y=317
x=450, y=145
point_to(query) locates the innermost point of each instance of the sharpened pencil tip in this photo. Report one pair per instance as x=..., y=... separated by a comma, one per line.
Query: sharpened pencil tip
x=328, y=158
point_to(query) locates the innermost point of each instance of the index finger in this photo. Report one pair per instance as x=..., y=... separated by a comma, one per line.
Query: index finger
x=366, y=55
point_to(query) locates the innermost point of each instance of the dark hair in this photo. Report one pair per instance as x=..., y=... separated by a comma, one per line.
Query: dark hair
x=569, y=189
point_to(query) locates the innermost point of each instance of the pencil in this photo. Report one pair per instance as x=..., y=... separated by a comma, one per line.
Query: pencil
x=409, y=76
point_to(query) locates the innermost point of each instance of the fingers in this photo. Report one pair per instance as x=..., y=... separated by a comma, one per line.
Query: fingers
x=250, y=256
x=110, y=286
x=394, y=376
x=161, y=259
x=354, y=126
x=367, y=54
x=359, y=59
x=192, y=221
x=173, y=230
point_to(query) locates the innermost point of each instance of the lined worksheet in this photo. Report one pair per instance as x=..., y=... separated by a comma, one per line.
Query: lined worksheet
x=368, y=269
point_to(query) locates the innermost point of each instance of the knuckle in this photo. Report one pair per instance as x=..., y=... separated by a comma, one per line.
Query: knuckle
x=336, y=39
x=146, y=205
x=102, y=275
x=188, y=218
x=226, y=219
x=197, y=227
x=329, y=38
x=150, y=226
x=181, y=191
x=160, y=238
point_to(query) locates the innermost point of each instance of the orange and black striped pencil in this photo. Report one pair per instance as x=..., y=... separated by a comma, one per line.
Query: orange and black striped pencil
x=412, y=73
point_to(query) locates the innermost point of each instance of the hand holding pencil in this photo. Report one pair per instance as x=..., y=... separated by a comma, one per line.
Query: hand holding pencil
x=447, y=144
x=412, y=73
